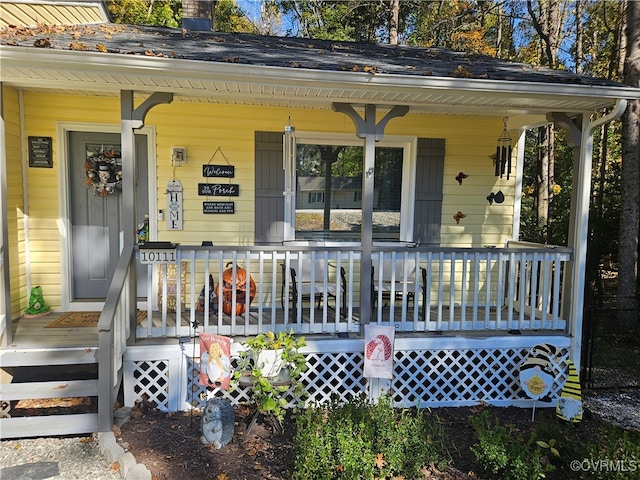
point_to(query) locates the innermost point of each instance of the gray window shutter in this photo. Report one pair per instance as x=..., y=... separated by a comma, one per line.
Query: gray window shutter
x=428, y=201
x=269, y=182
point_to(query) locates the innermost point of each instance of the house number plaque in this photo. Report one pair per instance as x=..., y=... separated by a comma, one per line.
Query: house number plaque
x=158, y=253
x=174, y=205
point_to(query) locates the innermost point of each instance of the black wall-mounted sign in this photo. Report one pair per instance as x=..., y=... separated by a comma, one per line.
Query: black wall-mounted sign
x=226, y=171
x=40, y=152
x=218, y=207
x=219, y=189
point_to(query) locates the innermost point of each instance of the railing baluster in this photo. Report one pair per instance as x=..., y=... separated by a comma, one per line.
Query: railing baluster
x=476, y=290
x=463, y=290
x=440, y=291
x=511, y=290
x=427, y=300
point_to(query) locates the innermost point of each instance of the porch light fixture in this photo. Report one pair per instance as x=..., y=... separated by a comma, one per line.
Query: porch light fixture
x=503, y=152
x=178, y=156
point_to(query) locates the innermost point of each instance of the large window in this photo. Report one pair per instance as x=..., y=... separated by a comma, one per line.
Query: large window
x=328, y=195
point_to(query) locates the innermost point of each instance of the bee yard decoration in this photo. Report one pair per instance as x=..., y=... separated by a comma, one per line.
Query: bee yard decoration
x=538, y=371
x=569, y=406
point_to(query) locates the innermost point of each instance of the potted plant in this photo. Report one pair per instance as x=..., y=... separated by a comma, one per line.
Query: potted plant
x=271, y=365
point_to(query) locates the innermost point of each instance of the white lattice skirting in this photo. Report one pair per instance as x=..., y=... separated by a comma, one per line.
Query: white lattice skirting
x=428, y=372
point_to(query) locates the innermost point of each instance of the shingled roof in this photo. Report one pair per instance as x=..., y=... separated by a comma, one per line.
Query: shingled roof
x=297, y=72
x=372, y=58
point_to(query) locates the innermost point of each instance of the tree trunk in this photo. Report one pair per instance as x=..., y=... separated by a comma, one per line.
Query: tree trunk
x=393, y=21
x=630, y=182
x=579, y=51
x=545, y=183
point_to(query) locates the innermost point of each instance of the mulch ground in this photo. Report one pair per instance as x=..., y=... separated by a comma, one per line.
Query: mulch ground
x=169, y=444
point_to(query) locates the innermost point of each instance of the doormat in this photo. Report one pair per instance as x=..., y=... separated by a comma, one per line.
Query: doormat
x=83, y=319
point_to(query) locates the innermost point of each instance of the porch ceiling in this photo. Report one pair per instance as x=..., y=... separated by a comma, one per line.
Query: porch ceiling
x=292, y=72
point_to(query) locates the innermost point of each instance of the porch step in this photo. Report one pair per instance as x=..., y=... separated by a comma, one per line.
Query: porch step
x=53, y=375
x=48, y=426
x=60, y=389
x=30, y=357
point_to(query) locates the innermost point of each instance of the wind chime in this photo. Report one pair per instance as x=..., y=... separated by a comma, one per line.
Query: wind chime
x=289, y=167
x=503, y=152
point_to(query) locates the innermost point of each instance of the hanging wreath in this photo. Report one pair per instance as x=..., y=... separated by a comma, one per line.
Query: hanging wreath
x=104, y=172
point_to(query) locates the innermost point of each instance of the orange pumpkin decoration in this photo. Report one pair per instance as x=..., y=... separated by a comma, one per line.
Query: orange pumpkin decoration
x=241, y=290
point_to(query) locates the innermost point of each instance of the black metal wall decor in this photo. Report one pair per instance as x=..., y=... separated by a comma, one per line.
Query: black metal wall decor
x=496, y=197
x=503, y=152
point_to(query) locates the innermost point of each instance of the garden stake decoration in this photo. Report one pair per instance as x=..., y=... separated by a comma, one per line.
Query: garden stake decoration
x=503, y=152
x=215, y=361
x=569, y=406
x=537, y=373
x=194, y=325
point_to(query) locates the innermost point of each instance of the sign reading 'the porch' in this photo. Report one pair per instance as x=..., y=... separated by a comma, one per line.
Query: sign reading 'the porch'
x=219, y=189
x=174, y=205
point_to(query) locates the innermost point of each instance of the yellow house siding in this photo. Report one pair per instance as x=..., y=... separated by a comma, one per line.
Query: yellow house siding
x=15, y=205
x=32, y=14
x=43, y=113
x=204, y=128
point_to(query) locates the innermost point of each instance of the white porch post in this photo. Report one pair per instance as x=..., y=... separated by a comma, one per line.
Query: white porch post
x=579, y=225
x=371, y=133
x=5, y=287
x=132, y=119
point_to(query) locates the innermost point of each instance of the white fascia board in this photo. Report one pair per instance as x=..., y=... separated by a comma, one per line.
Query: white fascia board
x=283, y=77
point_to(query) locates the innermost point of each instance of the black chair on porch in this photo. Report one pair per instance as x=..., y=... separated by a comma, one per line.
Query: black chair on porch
x=391, y=284
x=307, y=277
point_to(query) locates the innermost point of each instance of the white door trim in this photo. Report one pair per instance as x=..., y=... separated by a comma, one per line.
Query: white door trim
x=64, y=217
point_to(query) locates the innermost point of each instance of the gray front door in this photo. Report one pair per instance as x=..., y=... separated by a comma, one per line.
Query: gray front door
x=96, y=208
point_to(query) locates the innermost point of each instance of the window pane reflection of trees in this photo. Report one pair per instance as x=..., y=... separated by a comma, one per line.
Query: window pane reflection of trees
x=329, y=192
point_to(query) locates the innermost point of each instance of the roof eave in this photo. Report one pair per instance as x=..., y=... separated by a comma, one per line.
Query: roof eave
x=162, y=74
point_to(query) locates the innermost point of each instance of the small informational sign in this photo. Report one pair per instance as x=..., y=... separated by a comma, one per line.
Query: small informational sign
x=218, y=207
x=174, y=205
x=40, y=152
x=219, y=189
x=157, y=253
x=226, y=171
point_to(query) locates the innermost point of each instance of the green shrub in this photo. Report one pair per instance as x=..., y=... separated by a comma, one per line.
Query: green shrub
x=505, y=453
x=614, y=455
x=358, y=440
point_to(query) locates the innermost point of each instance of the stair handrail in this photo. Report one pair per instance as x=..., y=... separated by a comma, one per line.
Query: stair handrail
x=114, y=328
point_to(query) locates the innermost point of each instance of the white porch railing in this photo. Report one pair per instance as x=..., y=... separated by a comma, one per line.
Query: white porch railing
x=415, y=289
x=114, y=327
